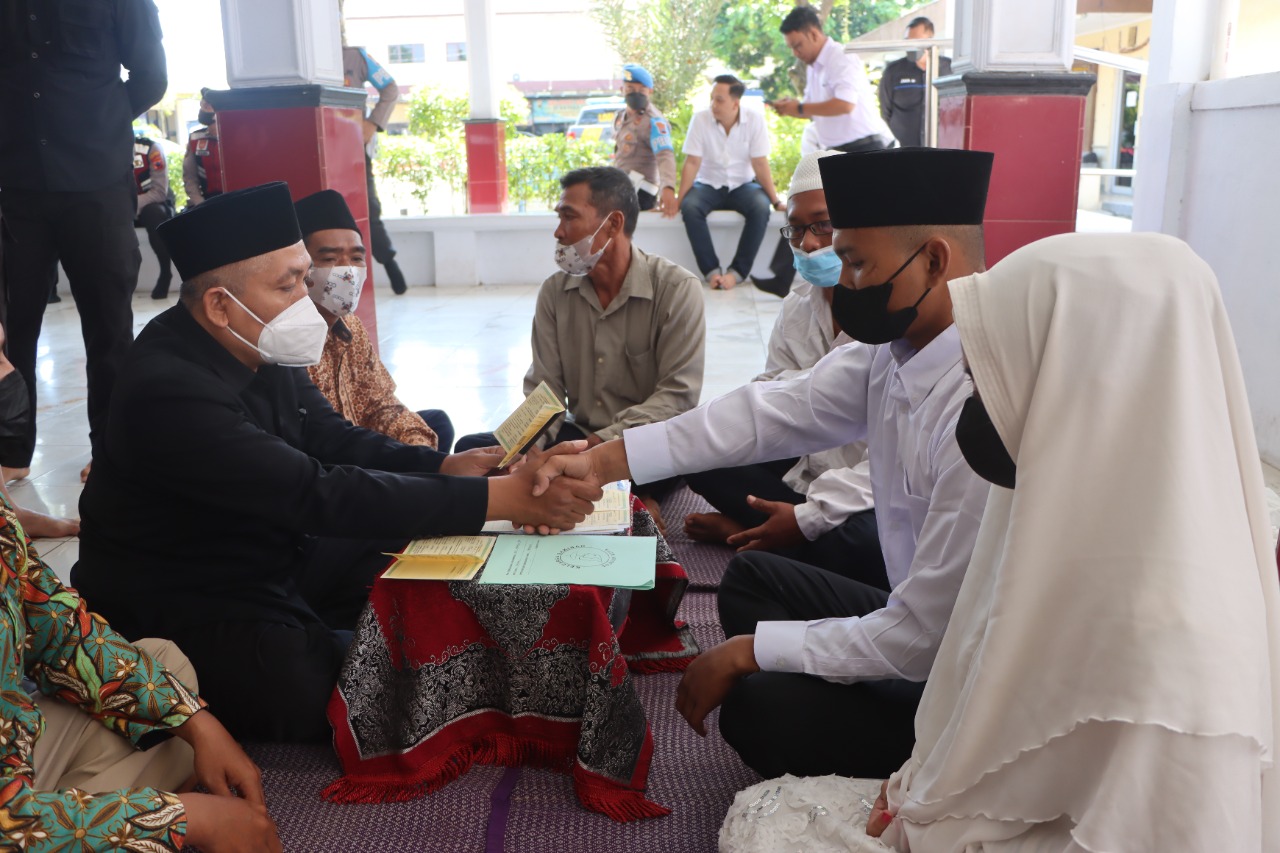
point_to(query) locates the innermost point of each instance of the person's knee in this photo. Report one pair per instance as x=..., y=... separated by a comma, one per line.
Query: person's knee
x=741, y=590
x=747, y=721
x=171, y=658
x=696, y=205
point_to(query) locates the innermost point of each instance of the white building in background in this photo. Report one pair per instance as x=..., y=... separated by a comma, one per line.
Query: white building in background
x=549, y=48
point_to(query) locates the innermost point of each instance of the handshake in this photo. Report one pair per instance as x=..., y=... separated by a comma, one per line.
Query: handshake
x=547, y=491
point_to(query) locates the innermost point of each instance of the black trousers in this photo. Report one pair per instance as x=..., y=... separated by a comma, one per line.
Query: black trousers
x=152, y=217
x=851, y=549
x=92, y=234
x=800, y=724
x=383, y=251
x=271, y=680
x=441, y=425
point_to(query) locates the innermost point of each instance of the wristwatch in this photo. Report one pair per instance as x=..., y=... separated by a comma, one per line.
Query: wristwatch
x=799, y=108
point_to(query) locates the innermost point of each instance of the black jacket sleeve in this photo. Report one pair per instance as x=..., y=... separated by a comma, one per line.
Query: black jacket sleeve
x=138, y=39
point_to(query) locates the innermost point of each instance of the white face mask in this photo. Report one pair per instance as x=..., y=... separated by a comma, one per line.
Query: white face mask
x=336, y=289
x=294, y=338
x=576, y=259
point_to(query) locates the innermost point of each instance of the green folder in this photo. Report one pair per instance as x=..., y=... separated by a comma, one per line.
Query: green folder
x=624, y=562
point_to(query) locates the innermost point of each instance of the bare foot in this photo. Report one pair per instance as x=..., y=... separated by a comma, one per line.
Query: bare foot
x=84, y=472
x=652, y=505
x=41, y=526
x=11, y=474
x=714, y=281
x=713, y=527
x=729, y=280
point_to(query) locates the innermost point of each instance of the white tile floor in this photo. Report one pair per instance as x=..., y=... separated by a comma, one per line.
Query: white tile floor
x=464, y=351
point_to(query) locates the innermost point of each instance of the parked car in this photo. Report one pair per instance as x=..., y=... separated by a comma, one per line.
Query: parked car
x=595, y=121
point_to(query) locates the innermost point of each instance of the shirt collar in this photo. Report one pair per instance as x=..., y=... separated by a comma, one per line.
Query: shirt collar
x=636, y=285
x=920, y=370
x=230, y=369
x=824, y=55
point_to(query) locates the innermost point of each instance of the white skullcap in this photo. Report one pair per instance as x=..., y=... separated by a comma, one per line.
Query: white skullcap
x=807, y=177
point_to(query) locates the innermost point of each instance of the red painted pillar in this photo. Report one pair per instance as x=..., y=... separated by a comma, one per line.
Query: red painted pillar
x=309, y=136
x=1034, y=123
x=486, y=166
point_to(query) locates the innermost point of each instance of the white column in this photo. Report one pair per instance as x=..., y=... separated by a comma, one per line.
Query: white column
x=484, y=94
x=1190, y=43
x=1014, y=35
x=282, y=42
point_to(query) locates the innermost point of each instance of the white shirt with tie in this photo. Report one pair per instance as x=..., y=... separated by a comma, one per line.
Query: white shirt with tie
x=928, y=501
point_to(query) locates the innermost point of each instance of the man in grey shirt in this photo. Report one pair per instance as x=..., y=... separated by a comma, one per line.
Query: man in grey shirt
x=617, y=333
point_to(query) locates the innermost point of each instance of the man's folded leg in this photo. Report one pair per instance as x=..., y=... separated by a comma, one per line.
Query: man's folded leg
x=781, y=722
x=726, y=489
x=268, y=681
x=77, y=751
x=851, y=549
x=800, y=724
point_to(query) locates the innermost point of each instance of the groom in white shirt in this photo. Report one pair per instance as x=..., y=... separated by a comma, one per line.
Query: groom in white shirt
x=822, y=674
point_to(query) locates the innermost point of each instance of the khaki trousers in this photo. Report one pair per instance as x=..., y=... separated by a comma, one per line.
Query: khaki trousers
x=77, y=751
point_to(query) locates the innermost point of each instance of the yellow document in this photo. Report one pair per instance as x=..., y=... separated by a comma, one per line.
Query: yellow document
x=526, y=423
x=443, y=558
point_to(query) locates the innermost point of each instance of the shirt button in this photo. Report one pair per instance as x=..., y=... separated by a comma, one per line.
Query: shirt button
x=35, y=55
x=780, y=662
x=44, y=142
x=600, y=360
x=33, y=17
x=35, y=95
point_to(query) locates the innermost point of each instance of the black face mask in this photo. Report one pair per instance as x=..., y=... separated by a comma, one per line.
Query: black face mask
x=15, y=421
x=205, y=117
x=638, y=101
x=982, y=446
x=864, y=314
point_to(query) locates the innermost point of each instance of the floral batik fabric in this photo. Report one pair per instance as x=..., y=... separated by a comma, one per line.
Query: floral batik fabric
x=47, y=635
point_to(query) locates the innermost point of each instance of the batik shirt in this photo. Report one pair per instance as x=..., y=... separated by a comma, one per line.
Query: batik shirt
x=47, y=635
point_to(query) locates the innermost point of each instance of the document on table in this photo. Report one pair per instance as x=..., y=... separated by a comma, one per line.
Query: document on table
x=523, y=426
x=625, y=562
x=612, y=514
x=443, y=558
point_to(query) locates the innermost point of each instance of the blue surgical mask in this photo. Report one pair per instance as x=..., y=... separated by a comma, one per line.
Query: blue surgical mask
x=820, y=268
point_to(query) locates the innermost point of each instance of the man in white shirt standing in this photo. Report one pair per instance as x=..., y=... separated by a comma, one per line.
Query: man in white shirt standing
x=726, y=167
x=837, y=95
x=822, y=674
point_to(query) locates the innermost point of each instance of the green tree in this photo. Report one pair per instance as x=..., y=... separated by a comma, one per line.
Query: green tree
x=670, y=38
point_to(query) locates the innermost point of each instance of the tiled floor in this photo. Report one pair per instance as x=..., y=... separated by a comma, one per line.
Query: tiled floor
x=464, y=351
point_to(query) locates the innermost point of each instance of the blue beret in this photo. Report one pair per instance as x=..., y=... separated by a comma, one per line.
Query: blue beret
x=637, y=74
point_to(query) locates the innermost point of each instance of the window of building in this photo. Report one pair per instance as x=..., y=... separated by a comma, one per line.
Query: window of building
x=455, y=51
x=401, y=53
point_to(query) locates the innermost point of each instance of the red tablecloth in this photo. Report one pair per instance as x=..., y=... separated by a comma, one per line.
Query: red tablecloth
x=442, y=675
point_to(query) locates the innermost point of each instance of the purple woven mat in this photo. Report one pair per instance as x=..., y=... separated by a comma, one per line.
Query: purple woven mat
x=705, y=564
x=696, y=777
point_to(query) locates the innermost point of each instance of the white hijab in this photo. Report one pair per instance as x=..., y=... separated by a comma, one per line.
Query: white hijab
x=1108, y=680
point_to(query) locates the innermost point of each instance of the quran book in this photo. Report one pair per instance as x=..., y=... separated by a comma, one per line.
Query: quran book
x=612, y=514
x=442, y=558
x=527, y=423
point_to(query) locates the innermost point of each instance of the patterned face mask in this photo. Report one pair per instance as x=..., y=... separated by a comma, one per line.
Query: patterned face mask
x=578, y=259
x=336, y=289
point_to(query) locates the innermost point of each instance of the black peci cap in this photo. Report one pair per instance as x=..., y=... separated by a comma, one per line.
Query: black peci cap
x=906, y=186
x=231, y=227
x=322, y=211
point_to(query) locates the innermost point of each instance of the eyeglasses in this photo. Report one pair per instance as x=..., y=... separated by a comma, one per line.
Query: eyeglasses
x=795, y=233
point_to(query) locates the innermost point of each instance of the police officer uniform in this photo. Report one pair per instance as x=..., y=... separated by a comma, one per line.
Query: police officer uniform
x=358, y=67
x=902, y=97
x=155, y=204
x=202, y=165
x=642, y=144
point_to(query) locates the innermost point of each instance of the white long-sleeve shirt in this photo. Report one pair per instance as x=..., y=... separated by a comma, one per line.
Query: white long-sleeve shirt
x=836, y=483
x=928, y=501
